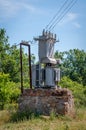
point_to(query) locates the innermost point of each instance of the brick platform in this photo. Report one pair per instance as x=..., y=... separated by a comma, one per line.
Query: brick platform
x=45, y=101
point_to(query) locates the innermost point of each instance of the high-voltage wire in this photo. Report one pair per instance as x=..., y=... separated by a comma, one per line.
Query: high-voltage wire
x=56, y=14
x=62, y=16
x=9, y=48
x=15, y=45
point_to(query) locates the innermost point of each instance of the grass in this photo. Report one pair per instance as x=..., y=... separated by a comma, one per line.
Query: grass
x=4, y=117
x=44, y=122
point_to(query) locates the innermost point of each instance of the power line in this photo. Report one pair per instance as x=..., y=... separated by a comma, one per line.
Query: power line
x=9, y=48
x=61, y=12
x=15, y=45
x=67, y=5
x=56, y=14
x=62, y=16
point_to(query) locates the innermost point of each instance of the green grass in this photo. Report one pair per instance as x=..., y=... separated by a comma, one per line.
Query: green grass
x=44, y=122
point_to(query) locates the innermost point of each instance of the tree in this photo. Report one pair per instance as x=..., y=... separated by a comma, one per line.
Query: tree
x=9, y=91
x=4, y=46
x=10, y=59
x=78, y=90
x=74, y=65
x=11, y=64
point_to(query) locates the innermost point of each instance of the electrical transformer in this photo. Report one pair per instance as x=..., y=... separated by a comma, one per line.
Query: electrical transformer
x=45, y=74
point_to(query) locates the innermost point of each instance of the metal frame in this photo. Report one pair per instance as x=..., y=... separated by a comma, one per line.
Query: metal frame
x=21, y=66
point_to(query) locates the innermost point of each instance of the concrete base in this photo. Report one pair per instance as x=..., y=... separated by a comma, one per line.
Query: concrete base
x=45, y=101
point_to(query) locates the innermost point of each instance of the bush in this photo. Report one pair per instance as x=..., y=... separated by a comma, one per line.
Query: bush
x=9, y=91
x=24, y=115
x=79, y=91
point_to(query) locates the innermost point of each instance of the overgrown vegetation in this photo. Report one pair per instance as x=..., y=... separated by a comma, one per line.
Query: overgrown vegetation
x=73, y=73
x=34, y=122
x=24, y=115
x=9, y=91
x=78, y=90
x=10, y=71
x=73, y=65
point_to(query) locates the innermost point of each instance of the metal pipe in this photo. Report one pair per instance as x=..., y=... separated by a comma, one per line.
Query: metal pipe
x=21, y=68
x=30, y=74
x=29, y=59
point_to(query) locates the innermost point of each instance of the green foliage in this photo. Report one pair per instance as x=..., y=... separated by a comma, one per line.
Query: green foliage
x=42, y=122
x=73, y=70
x=77, y=89
x=10, y=59
x=11, y=64
x=73, y=67
x=9, y=91
x=24, y=115
x=3, y=47
x=80, y=113
x=73, y=64
x=3, y=40
x=4, y=96
x=52, y=115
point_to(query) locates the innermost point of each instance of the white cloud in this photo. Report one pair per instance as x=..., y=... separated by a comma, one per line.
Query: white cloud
x=9, y=8
x=70, y=18
x=77, y=25
x=28, y=7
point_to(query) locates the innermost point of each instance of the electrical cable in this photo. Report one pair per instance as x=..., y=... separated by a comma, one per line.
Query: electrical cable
x=10, y=47
x=67, y=5
x=61, y=13
x=62, y=16
x=56, y=14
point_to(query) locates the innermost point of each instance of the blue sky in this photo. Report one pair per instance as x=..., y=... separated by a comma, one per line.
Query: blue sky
x=25, y=19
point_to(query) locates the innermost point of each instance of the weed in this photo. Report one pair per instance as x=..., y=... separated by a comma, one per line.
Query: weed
x=32, y=121
x=4, y=117
x=66, y=126
x=80, y=114
x=64, y=118
x=52, y=115
x=23, y=115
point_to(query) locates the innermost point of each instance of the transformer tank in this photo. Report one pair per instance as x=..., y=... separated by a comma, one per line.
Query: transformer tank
x=45, y=74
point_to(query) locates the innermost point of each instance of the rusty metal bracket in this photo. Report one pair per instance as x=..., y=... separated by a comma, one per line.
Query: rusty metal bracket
x=21, y=65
